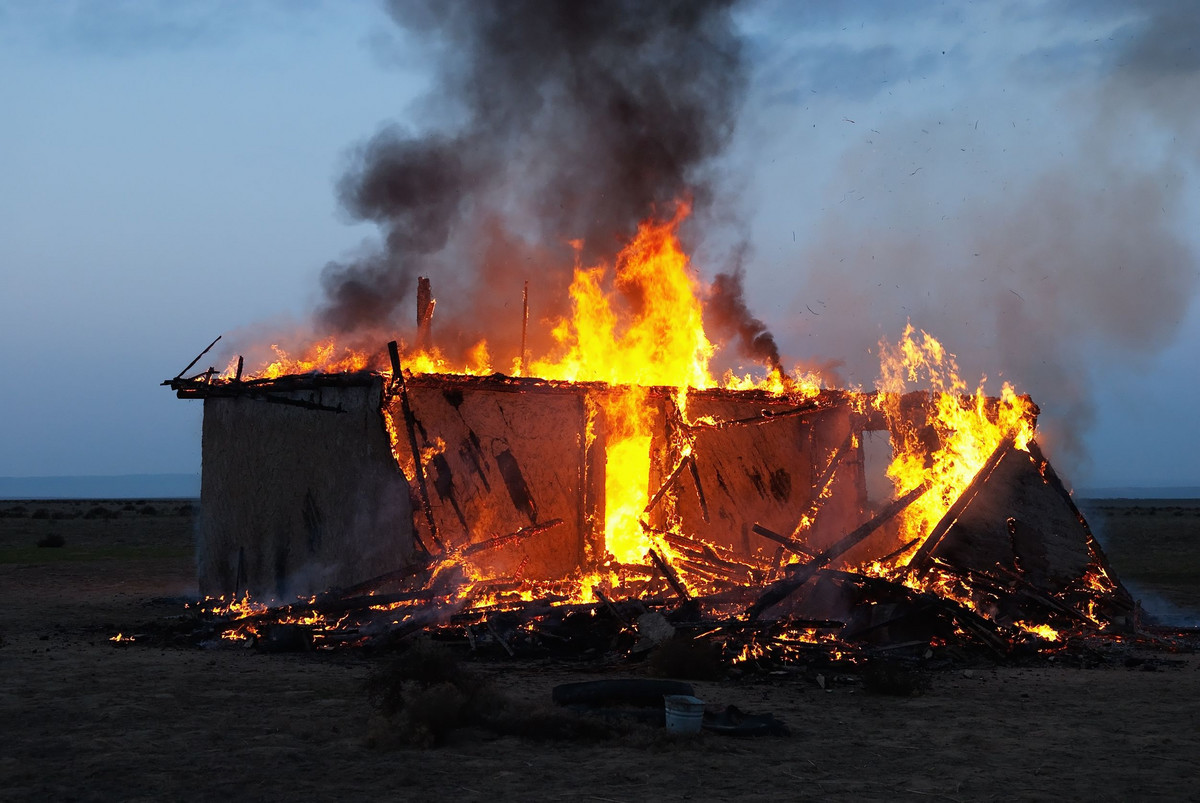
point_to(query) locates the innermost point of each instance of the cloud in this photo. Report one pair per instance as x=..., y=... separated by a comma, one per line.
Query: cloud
x=132, y=28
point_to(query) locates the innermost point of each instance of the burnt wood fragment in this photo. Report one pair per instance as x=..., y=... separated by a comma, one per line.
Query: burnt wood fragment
x=662, y=489
x=669, y=574
x=790, y=544
x=505, y=540
x=699, y=488
x=799, y=574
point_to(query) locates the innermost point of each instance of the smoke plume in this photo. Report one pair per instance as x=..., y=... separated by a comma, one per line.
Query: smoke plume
x=727, y=314
x=550, y=121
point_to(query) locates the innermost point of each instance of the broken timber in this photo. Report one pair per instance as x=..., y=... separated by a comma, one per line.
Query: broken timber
x=801, y=573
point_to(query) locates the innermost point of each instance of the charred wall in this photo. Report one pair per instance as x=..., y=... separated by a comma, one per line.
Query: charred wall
x=762, y=464
x=503, y=454
x=297, y=497
x=500, y=456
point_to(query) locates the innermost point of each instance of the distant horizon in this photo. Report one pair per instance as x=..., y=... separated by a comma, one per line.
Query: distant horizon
x=187, y=486
x=101, y=486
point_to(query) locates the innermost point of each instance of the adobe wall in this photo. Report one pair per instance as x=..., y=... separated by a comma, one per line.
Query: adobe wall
x=296, y=500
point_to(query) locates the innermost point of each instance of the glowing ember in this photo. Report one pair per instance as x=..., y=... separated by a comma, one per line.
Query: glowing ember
x=1044, y=632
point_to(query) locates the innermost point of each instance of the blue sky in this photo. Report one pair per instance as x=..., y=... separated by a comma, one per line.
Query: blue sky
x=1018, y=179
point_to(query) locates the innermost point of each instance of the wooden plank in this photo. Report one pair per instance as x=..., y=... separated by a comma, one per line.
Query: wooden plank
x=790, y=544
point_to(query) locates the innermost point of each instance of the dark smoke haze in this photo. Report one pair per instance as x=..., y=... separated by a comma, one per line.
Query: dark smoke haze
x=548, y=122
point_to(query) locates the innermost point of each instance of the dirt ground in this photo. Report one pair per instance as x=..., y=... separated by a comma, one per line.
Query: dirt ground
x=84, y=719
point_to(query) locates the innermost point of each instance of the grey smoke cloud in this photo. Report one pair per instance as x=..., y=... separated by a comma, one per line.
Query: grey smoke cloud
x=1018, y=192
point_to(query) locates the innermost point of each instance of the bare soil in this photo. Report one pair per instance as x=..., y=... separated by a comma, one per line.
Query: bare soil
x=82, y=718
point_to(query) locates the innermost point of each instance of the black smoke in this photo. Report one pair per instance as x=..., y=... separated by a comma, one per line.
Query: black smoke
x=728, y=315
x=550, y=122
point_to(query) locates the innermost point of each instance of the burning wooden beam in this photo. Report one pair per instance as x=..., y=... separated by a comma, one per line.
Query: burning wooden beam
x=800, y=574
x=410, y=426
x=669, y=574
x=790, y=544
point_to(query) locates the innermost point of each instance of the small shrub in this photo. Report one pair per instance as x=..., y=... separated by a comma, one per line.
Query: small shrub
x=430, y=714
x=100, y=512
x=148, y=510
x=893, y=678
x=40, y=513
x=424, y=664
x=686, y=659
x=53, y=541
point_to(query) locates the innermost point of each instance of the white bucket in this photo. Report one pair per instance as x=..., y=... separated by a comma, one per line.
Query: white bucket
x=685, y=713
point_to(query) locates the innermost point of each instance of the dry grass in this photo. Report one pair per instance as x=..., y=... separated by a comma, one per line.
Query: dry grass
x=189, y=724
x=1154, y=547
x=427, y=694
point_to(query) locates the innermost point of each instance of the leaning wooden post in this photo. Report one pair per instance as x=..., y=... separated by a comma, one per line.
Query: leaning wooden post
x=425, y=305
x=198, y=356
x=410, y=424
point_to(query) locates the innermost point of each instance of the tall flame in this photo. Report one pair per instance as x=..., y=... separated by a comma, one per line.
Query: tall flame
x=656, y=338
x=966, y=427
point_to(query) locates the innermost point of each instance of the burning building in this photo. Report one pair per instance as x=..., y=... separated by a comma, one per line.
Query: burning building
x=621, y=470
x=602, y=468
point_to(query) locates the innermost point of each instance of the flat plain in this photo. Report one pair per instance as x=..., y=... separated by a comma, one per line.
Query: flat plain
x=82, y=718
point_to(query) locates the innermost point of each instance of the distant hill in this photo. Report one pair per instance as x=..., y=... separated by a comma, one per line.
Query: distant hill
x=117, y=486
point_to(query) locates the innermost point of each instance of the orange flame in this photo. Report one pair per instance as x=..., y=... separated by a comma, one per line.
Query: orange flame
x=660, y=341
x=321, y=357
x=966, y=427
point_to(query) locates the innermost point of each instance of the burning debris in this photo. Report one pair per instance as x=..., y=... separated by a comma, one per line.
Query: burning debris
x=621, y=497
